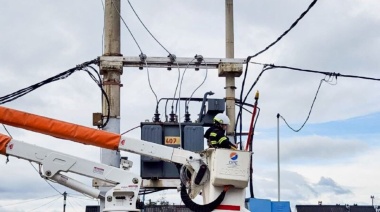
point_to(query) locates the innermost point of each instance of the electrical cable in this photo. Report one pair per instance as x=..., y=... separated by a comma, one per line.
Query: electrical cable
x=170, y=54
x=180, y=84
x=45, y=204
x=150, y=85
x=81, y=194
x=243, y=101
x=311, y=108
x=23, y=202
x=175, y=91
x=188, y=101
x=72, y=206
x=147, y=70
x=45, y=179
x=130, y=130
x=201, y=208
x=286, y=32
x=130, y=32
x=100, y=84
x=239, y=118
x=63, y=75
x=7, y=131
x=332, y=74
x=179, y=108
x=147, y=28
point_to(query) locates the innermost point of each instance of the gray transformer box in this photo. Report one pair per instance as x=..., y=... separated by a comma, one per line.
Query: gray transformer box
x=168, y=134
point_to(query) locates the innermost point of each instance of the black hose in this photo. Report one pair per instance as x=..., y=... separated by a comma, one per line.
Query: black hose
x=200, y=208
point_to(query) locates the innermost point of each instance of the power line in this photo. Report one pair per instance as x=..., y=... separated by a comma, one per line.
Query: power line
x=150, y=84
x=147, y=28
x=104, y=94
x=176, y=87
x=23, y=202
x=333, y=74
x=84, y=67
x=188, y=101
x=125, y=24
x=180, y=85
x=45, y=204
x=130, y=130
x=63, y=75
x=142, y=55
x=286, y=32
x=7, y=131
x=311, y=108
x=72, y=206
x=239, y=118
x=39, y=172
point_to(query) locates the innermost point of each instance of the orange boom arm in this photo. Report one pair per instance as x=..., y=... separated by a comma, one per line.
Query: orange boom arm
x=57, y=128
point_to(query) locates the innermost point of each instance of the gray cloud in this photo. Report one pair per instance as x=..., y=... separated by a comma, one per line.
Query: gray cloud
x=302, y=149
x=327, y=184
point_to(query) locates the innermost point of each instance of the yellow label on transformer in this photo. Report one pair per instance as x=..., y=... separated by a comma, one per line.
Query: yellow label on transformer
x=170, y=140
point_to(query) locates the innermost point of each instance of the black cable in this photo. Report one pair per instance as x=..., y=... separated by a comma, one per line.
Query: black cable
x=63, y=75
x=45, y=179
x=147, y=70
x=7, y=131
x=332, y=74
x=100, y=84
x=147, y=28
x=265, y=67
x=311, y=108
x=200, y=208
x=125, y=24
x=286, y=32
x=239, y=118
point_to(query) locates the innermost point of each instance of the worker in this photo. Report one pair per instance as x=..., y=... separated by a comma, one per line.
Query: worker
x=215, y=135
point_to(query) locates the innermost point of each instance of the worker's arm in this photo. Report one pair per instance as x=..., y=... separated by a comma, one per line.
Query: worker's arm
x=224, y=142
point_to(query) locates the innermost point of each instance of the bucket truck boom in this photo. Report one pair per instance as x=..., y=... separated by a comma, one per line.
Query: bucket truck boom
x=213, y=171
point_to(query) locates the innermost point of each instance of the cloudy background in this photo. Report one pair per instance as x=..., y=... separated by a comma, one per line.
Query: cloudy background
x=334, y=158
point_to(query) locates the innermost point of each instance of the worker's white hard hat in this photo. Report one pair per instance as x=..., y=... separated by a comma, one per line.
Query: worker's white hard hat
x=222, y=119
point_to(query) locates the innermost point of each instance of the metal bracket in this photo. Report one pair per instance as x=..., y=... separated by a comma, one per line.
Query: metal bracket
x=111, y=63
x=230, y=69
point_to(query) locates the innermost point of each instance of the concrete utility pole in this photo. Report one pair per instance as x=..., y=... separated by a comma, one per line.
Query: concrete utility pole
x=111, y=80
x=230, y=77
x=111, y=77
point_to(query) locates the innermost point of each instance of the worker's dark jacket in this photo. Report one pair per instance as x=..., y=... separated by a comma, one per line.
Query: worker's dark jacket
x=216, y=138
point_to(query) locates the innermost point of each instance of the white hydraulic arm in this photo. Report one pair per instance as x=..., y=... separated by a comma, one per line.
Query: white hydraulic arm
x=122, y=197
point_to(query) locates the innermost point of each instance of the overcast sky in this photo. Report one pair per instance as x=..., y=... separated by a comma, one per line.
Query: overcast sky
x=334, y=159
